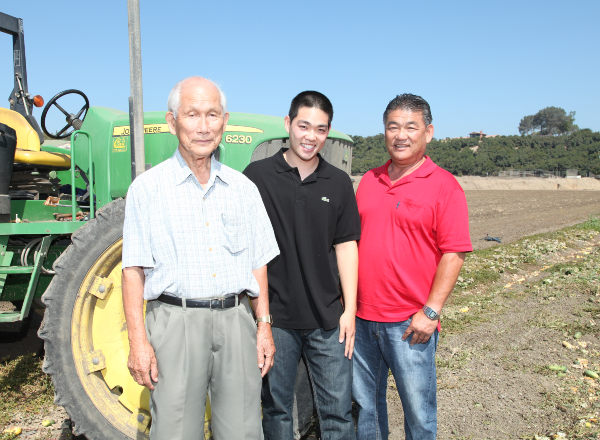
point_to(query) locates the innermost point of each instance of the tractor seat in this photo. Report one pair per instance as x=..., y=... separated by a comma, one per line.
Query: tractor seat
x=28, y=142
x=43, y=158
x=27, y=137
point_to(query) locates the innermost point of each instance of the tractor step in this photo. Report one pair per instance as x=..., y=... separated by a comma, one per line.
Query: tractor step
x=16, y=269
x=10, y=316
x=34, y=271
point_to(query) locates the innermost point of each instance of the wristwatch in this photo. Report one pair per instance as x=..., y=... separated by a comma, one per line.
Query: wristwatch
x=430, y=313
x=268, y=318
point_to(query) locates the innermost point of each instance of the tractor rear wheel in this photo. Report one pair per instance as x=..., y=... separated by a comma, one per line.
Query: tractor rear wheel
x=86, y=336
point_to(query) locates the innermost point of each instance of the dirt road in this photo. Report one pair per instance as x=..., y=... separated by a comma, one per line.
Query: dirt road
x=515, y=214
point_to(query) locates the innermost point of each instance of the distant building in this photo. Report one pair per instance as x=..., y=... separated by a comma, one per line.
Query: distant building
x=475, y=134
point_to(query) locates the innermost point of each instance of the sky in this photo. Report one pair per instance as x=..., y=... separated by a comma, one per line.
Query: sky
x=481, y=65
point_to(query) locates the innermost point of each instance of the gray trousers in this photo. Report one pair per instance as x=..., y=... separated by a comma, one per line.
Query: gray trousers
x=197, y=349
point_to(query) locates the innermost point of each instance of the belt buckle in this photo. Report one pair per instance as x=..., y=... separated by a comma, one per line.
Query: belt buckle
x=222, y=299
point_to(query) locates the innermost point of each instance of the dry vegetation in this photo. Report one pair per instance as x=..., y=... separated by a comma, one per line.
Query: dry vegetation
x=26, y=399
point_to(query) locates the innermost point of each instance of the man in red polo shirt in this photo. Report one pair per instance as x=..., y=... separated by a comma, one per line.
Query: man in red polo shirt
x=415, y=232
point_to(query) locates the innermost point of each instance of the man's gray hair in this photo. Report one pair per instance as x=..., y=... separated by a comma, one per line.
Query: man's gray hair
x=409, y=102
x=174, y=100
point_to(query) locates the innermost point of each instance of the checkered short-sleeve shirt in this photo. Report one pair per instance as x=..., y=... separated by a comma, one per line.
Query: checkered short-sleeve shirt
x=196, y=243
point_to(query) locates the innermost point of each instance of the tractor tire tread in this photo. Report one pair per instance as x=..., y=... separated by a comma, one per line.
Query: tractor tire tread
x=88, y=243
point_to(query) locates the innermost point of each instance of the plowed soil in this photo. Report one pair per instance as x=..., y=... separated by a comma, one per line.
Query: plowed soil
x=511, y=215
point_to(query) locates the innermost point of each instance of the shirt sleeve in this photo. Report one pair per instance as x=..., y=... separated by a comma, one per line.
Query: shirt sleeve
x=453, y=223
x=137, y=250
x=348, y=222
x=264, y=244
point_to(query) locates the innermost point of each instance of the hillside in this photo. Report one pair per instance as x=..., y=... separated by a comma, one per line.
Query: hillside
x=487, y=156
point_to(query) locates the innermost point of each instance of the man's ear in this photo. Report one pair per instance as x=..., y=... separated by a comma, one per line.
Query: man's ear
x=171, y=122
x=429, y=130
x=225, y=120
x=287, y=123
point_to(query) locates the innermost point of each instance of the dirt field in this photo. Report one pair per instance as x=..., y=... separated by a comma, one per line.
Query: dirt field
x=528, y=183
x=469, y=183
x=515, y=214
x=492, y=379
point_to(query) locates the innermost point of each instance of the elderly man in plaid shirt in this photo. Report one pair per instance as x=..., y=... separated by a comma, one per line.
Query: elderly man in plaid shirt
x=196, y=243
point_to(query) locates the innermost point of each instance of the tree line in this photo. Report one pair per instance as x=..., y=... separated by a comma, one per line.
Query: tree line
x=486, y=156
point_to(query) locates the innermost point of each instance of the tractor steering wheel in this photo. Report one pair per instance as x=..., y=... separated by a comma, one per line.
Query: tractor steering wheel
x=73, y=120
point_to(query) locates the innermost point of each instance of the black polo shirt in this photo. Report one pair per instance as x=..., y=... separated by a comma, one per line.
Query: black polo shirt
x=308, y=216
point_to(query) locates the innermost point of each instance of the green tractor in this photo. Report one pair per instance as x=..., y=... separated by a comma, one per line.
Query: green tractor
x=62, y=205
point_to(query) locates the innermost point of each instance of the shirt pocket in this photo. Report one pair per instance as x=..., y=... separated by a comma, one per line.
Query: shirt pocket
x=409, y=214
x=233, y=232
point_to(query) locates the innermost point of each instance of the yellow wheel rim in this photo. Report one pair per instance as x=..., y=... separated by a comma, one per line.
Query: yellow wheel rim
x=101, y=348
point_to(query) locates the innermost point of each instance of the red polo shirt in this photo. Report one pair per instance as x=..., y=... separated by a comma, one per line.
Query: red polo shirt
x=405, y=230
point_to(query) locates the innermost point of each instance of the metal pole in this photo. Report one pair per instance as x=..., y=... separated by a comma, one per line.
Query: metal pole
x=136, y=123
x=131, y=136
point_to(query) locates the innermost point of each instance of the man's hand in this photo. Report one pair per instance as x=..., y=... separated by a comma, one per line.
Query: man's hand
x=142, y=365
x=445, y=277
x=347, y=260
x=142, y=362
x=265, y=346
x=348, y=331
x=421, y=328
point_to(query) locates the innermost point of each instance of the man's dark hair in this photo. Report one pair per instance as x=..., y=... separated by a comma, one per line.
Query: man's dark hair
x=410, y=102
x=311, y=99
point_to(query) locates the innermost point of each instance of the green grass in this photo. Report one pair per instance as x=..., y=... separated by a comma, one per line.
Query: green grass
x=480, y=308
x=558, y=323
x=479, y=290
x=592, y=224
x=483, y=277
x=483, y=267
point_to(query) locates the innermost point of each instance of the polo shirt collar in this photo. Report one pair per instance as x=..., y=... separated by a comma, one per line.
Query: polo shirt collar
x=424, y=170
x=183, y=171
x=323, y=169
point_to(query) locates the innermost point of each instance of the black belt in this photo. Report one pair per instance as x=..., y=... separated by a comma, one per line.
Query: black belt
x=225, y=302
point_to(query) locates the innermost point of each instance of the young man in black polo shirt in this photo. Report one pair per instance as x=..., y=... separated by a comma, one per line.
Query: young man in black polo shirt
x=313, y=211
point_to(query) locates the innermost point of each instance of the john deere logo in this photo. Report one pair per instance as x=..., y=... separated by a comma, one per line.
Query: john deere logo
x=325, y=199
x=120, y=144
